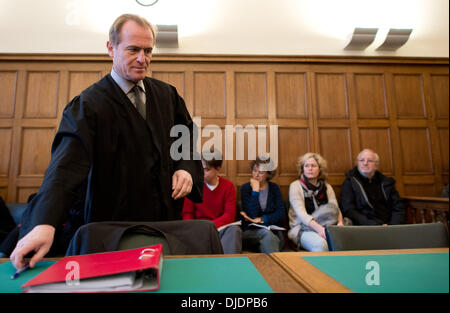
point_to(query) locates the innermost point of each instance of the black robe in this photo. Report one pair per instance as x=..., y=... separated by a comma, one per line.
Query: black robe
x=124, y=158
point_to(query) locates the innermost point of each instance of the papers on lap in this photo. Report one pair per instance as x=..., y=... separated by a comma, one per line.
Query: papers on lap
x=129, y=270
x=270, y=227
x=226, y=225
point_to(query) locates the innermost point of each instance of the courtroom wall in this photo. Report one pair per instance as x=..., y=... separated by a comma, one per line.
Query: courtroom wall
x=332, y=105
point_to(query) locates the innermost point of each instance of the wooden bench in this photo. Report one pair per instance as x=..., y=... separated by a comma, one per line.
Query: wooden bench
x=427, y=210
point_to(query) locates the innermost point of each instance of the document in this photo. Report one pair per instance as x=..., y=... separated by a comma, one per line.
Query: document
x=270, y=227
x=226, y=225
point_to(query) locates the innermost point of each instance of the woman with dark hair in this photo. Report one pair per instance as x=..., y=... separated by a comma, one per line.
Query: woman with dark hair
x=263, y=209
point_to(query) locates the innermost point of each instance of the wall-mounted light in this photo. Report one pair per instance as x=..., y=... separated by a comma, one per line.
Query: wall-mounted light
x=361, y=38
x=167, y=36
x=395, y=39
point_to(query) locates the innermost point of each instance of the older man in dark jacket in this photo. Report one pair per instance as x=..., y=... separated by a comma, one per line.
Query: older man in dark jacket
x=370, y=198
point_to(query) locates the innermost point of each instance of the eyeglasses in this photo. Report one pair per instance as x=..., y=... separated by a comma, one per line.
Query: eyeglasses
x=255, y=171
x=366, y=160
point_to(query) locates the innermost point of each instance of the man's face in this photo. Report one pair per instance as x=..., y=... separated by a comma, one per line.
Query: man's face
x=132, y=56
x=209, y=173
x=367, y=164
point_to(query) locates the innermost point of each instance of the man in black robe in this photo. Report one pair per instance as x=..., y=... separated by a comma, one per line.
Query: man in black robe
x=118, y=139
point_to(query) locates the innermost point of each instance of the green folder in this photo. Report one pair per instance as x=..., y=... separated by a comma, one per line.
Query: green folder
x=185, y=275
x=392, y=273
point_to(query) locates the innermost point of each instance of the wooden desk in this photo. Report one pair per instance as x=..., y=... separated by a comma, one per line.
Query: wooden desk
x=274, y=275
x=315, y=280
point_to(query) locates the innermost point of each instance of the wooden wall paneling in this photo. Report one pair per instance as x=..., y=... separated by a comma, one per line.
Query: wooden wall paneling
x=409, y=95
x=419, y=189
x=80, y=80
x=17, y=132
x=188, y=94
x=8, y=91
x=416, y=142
x=440, y=97
x=432, y=107
x=251, y=94
x=331, y=95
x=394, y=131
x=4, y=192
x=353, y=94
x=23, y=193
x=42, y=94
x=209, y=95
x=8, y=87
x=312, y=111
x=5, y=159
x=230, y=113
x=176, y=79
x=271, y=99
x=293, y=142
x=35, y=152
x=370, y=96
x=443, y=137
x=5, y=150
x=333, y=106
x=291, y=95
x=335, y=147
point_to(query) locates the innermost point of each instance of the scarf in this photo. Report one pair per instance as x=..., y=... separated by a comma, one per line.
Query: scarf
x=314, y=195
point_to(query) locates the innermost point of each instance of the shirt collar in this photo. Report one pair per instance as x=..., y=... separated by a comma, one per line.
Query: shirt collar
x=124, y=84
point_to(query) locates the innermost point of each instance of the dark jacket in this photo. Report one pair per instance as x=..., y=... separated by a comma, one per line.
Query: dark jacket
x=7, y=223
x=274, y=213
x=183, y=237
x=355, y=204
x=125, y=158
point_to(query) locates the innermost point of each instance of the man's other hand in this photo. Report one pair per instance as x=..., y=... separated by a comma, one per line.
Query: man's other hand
x=39, y=240
x=181, y=184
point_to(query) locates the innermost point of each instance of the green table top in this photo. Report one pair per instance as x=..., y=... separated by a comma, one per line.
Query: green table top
x=388, y=273
x=184, y=275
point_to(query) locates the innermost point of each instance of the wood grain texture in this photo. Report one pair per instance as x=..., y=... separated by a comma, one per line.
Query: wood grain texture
x=335, y=106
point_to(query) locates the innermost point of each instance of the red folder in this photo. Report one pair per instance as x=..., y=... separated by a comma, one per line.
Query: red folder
x=128, y=270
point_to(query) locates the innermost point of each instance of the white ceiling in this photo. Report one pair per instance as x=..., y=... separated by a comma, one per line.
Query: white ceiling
x=273, y=27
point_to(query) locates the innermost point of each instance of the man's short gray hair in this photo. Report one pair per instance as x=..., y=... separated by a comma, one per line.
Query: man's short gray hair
x=116, y=27
x=377, y=157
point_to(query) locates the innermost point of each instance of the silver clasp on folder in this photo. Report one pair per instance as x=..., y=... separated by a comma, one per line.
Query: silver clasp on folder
x=149, y=252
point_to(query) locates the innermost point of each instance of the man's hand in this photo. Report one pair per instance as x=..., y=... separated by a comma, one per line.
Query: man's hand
x=39, y=240
x=181, y=184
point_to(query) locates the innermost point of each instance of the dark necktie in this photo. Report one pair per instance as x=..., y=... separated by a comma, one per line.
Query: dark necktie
x=140, y=105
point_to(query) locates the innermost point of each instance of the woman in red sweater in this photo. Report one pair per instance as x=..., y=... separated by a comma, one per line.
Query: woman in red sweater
x=219, y=204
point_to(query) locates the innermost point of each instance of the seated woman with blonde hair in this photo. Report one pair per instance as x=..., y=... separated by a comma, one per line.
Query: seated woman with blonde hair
x=313, y=204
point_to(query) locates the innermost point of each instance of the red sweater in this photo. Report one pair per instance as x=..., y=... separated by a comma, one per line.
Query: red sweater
x=218, y=206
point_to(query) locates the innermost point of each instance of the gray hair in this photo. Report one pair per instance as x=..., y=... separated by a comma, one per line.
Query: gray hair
x=377, y=157
x=116, y=27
